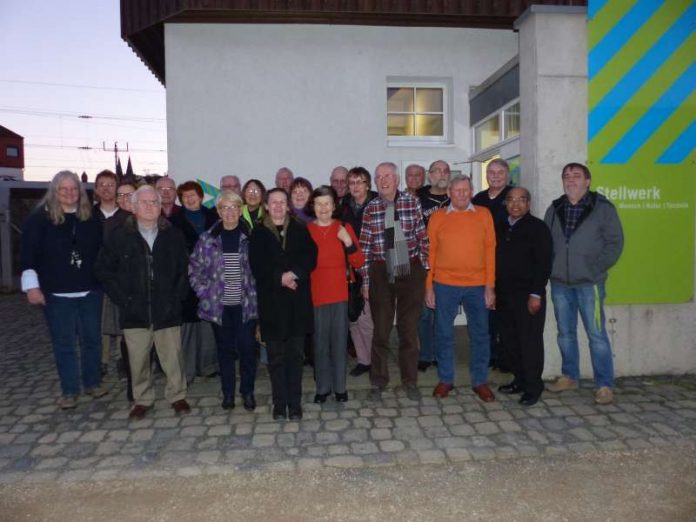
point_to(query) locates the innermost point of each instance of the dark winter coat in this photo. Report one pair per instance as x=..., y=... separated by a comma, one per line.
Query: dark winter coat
x=147, y=285
x=190, y=311
x=522, y=256
x=47, y=249
x=592, y=249
x=283, y=313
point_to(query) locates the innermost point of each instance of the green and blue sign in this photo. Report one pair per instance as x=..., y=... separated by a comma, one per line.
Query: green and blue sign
x=642, y=140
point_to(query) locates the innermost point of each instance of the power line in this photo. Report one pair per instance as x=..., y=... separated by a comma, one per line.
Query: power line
x=77, y=86
x=37, y=112
x=85, y=147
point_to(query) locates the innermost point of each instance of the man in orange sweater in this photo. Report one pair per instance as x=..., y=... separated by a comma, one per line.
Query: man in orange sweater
x=462, y=271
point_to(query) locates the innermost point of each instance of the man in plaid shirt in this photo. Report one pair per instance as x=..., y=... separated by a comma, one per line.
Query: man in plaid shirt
x=395, y=243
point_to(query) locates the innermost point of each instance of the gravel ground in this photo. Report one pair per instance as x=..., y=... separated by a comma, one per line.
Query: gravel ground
x=654, y=484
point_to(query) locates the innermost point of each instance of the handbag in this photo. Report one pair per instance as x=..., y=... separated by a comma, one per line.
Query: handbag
x=356, y=301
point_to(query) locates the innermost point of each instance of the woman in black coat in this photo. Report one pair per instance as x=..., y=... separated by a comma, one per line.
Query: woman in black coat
x=197, y=341
x=282, y=256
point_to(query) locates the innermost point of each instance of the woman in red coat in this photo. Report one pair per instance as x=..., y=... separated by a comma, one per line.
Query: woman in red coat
x=336, y=243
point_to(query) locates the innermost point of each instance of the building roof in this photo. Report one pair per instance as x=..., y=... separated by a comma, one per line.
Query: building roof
x=7, y=133
x=142, y=23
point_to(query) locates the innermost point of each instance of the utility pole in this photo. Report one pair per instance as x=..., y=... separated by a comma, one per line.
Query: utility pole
x=115, y=151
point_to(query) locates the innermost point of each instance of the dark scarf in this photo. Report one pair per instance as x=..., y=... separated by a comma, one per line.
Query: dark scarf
x=395, y=245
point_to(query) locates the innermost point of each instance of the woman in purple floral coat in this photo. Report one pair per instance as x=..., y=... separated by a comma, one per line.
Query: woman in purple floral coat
x=220, y=275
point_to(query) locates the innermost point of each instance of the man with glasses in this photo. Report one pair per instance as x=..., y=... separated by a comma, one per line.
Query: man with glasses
x=351, y=211
x=105, y=190
x=522, y=269
x=166, y=188
x=143, y=268
x=432, y=198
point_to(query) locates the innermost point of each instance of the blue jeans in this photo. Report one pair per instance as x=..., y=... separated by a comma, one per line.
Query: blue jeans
x=589, y=301
x=69, y=318
x=447, y=301
x=426, y=332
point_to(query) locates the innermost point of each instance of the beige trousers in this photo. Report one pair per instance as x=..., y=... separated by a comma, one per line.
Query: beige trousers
x=168, y=345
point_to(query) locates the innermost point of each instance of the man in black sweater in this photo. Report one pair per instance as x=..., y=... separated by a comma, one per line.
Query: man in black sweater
x=523, y=267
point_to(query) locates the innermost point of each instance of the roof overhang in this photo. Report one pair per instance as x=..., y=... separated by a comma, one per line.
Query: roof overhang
x=142, y=22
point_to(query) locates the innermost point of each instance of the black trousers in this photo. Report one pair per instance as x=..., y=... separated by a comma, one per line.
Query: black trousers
x=285, y=365
x=522, y=334
x=235, y=340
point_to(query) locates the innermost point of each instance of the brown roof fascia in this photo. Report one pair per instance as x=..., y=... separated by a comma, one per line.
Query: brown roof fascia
x=142, y=22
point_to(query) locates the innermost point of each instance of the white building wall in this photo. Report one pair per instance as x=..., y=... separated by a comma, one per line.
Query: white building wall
x=247, y=99
x=553, y=95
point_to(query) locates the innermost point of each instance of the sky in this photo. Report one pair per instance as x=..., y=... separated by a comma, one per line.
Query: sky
x=65, y=59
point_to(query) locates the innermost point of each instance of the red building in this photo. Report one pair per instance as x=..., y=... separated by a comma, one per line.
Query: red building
x=11, y=154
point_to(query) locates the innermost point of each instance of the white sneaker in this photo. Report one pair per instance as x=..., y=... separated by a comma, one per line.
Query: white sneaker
x=562, y=383
x=604, y=395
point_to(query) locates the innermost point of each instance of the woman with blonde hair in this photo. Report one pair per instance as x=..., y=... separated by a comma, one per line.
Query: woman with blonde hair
x=220, y=274
x=60, y=243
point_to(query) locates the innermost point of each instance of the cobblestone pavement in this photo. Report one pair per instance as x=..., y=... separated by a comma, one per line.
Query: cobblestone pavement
x=39, y=442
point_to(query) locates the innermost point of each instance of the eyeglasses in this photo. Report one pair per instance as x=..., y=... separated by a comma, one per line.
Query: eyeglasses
x=521, y=199
x=252, y=191
x=165, y=189
x=148, y=202
x=123, y=194
x=229, y=207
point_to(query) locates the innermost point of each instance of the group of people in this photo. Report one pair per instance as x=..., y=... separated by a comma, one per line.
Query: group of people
x=208, y=287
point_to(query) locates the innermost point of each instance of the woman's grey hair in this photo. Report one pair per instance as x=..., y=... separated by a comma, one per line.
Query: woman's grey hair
x=458, y=178
x=230, y=197
x=52, y=205
x=145, y=188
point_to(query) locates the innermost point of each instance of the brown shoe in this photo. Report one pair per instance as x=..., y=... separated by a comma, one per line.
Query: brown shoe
x=484, y=392
x=562, y=383
x=181, y=407
x=138, y=412
x=442, y=390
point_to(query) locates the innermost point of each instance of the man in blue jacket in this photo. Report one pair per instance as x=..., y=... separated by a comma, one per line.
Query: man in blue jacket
x=587, y=242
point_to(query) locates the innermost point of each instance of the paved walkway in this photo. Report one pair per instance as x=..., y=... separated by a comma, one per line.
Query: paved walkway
x=39, y=442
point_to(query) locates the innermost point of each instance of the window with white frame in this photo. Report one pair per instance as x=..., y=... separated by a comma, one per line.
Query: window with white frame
x=499, y=127
x=417, y=112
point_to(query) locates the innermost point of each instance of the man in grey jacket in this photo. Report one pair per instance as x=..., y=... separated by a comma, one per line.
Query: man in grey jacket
x=587, y=241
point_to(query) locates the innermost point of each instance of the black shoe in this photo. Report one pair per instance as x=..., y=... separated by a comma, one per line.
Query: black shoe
x=249, y=402
x=360, y=369
x=320, y=398
x=342, y=397
x=279, y=413
x=228, y=403
x=295, y=413
x=510, y=389
x=528, y=399
x=423, y=365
